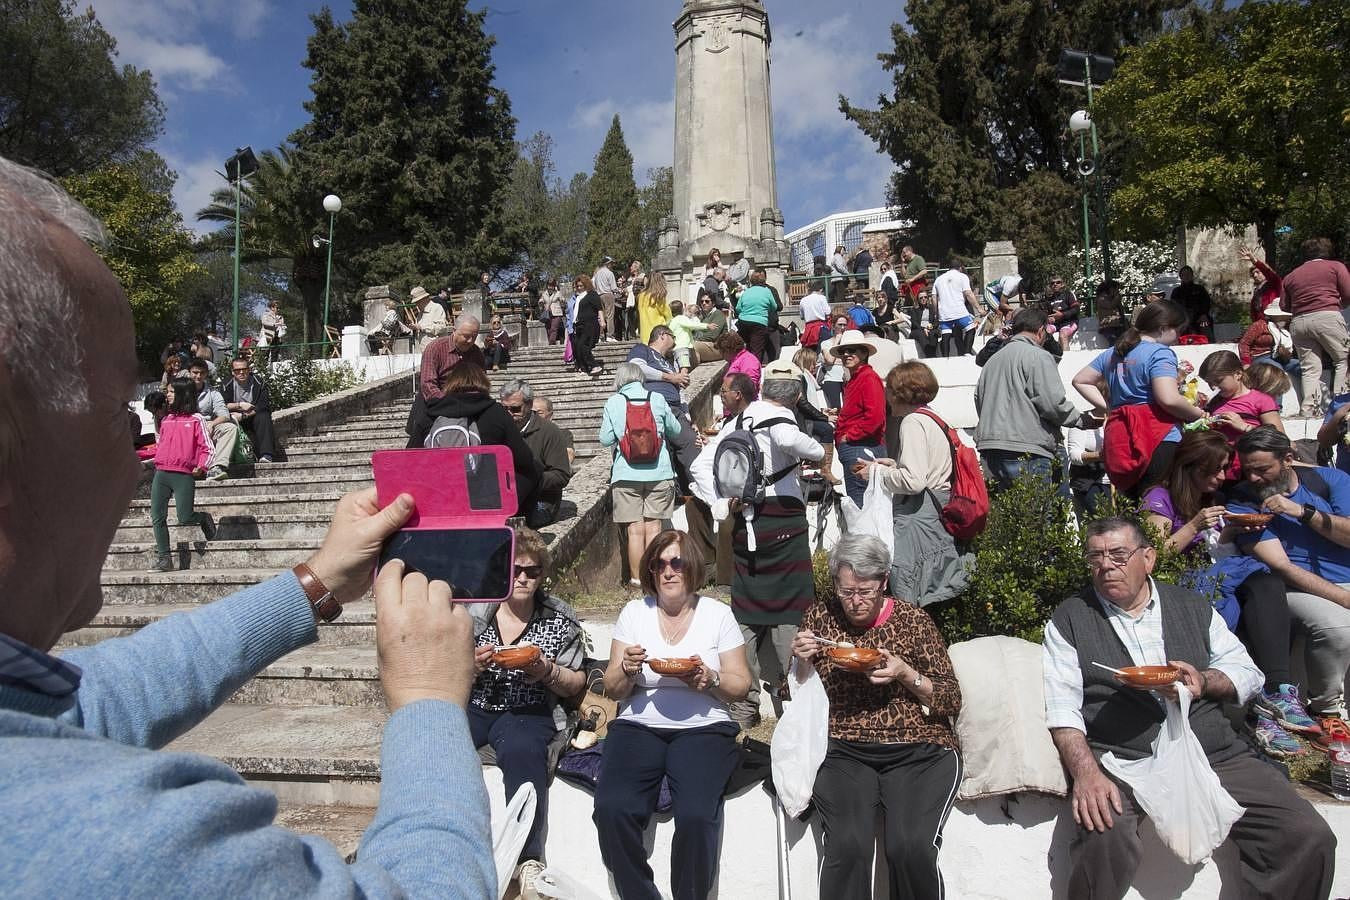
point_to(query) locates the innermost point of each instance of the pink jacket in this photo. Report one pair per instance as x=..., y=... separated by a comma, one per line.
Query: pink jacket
x=746, y=363
x=183, y=444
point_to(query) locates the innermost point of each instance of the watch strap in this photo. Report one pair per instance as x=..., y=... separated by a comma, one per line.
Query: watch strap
x=1308, y=512
x=326, y=607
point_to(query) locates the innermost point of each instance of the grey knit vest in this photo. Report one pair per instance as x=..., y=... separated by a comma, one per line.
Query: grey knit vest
x=1124, y=720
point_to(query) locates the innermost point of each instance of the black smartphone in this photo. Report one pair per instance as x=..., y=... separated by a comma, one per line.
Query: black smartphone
x=475, y=562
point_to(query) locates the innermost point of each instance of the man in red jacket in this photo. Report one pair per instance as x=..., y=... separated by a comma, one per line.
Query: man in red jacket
x=1315, y=293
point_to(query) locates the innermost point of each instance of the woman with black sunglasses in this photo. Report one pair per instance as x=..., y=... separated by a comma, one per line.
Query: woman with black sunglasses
x=676, y=725
x=516, y=710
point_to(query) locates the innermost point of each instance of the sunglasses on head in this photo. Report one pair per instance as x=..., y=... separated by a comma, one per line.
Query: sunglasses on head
x=676, y=564
x=528, y=571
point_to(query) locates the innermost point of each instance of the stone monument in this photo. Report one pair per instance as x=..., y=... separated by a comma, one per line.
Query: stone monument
x=726, y=194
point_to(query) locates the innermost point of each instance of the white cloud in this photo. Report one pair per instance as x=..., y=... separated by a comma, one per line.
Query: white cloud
x=189, y=66
x=648, y=129
x=197, y=179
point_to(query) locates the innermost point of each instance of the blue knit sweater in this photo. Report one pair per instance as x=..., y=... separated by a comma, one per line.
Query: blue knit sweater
x=88, y=808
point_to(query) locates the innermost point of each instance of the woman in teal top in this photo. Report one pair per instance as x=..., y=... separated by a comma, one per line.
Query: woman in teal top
x=643, y=493
x=756, y=311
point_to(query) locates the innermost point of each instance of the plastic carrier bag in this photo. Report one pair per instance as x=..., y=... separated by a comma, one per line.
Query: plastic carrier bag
x=876, y=516
x=800, y=740
x=1176, y=787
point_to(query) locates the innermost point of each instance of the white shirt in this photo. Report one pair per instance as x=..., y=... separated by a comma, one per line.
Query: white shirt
x=1143, y=639
x=782, y=445
x=1009, y=285
x=661, y=701
x=1081, y=440
x=433, y=321
x=815, y=307
x=835, y=372
x=950, y=289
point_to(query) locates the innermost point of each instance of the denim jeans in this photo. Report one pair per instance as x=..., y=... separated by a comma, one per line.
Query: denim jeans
x=1006, y=465
x=850, y=453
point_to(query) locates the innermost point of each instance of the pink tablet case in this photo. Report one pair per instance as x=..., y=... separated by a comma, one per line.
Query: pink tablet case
x=437, y=479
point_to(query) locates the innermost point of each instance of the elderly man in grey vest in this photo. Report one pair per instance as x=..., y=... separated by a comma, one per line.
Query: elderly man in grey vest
x=1126, y=618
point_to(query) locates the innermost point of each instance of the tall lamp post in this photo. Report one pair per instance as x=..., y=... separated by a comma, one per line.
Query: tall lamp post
x=237, y=168
x=1088, y=70
x=332, y=204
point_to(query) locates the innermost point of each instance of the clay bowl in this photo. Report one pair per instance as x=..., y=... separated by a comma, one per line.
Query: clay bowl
x=516, y=657
x=1148, y=677
x=674, y=665
x=1248, y=520
x=854, y=659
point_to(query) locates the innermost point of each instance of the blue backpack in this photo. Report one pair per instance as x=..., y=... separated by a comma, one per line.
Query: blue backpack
x=860, y=315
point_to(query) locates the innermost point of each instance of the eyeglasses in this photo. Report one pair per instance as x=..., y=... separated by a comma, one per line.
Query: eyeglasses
x=514, y=408
x=858, y=593
x=530, y=572
x=676, y=564
x=1118, y=557
x=240, y=371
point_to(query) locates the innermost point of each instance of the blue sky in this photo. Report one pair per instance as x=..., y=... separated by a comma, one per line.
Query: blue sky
x=230, y=74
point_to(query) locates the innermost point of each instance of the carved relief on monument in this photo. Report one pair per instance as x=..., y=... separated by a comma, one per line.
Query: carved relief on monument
x=717, y=33
x=718, y=216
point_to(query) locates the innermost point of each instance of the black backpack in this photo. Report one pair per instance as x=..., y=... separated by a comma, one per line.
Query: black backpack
x=738, y=464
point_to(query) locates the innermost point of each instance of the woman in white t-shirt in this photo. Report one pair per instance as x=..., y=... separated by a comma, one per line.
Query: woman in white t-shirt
x=669, y=725
x=834, y=375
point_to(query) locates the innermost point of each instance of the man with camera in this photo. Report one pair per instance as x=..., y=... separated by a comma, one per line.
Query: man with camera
x=87, y=806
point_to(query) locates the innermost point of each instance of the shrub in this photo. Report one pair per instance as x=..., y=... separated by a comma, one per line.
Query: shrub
x=300, y=379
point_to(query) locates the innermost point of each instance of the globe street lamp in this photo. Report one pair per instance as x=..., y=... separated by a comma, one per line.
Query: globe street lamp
x=1089, y=70
x=332, y=204
x=1080, y=123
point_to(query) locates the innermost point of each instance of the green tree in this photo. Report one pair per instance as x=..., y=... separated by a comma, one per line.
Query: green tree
x=613, y=217
x=657, y=198
x=410, y=130
x=277, y=219
x=148, y=249
x=1229, y=117
x=977, y=121
x=66, y=107
x=571, y=212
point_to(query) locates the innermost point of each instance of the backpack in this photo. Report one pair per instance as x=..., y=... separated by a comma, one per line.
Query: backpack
x=738, y=464
x=456, y=431
x=967, y=510
x=861, y=316
x=641, y=441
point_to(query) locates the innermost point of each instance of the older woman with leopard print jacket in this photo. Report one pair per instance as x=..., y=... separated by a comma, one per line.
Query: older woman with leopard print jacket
x=891, y=740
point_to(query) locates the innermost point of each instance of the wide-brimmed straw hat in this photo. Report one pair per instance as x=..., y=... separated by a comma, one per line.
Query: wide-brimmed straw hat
x=853, y=339
x=418, y=293
x=781, y=370
x=1274, y=310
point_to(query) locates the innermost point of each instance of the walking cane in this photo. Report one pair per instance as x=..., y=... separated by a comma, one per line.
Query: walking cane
x=784, y=870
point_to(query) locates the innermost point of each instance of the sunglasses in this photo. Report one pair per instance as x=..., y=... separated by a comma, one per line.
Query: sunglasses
x=515, y=408
x=239, y=371
x=528, y=571
x=850, y=353
x=676, y=564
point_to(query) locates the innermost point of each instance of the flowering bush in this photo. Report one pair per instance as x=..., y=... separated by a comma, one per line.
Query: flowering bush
x=1133, y=265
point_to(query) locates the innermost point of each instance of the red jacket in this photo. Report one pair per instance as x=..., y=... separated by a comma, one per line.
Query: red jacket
x=1272, y=289
x=862, y=418
x=183, y=444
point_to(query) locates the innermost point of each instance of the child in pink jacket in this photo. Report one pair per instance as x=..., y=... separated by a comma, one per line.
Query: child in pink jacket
x=183, y=452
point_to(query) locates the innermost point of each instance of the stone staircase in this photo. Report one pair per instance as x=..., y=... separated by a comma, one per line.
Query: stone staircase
x=309, y=726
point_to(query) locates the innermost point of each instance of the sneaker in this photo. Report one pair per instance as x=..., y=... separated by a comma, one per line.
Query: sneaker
x=1273, y=740
x=1286, y=707
x=1333, y=729
x=162, y=563
x=527, y=879
x=217, y=473
x=264, y=459
x=208, y=523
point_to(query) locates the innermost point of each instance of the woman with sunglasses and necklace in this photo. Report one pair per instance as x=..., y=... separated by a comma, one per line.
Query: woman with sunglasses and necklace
x=669, y=725
x=516, y=710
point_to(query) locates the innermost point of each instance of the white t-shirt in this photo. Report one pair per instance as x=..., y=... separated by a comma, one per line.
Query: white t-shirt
x=661, y=701
x=1009, y=285
x=815, y=307
x=950, y=289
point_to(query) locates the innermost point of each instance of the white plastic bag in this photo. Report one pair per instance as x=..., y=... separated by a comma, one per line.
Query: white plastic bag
x=510, y=834
x=555, y=885
x=801, y=738
x=877, y=514
x=1176, y=787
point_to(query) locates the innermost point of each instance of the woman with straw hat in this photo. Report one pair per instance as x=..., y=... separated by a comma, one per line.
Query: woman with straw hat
x=860, y=432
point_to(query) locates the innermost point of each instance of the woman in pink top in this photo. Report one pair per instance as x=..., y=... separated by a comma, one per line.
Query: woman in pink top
x=733, y=349
x=1236, y=408
x=182, y=453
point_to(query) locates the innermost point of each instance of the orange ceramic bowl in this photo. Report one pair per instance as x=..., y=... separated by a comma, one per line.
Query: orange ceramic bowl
x=677, y=666
x=516, y=657
x=1248, y=520
x=1148, y=677
x=854, y=659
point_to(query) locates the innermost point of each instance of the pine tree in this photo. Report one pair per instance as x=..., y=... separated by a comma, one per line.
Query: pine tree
x=410, y=131
x=978, y=124
x=614, y=223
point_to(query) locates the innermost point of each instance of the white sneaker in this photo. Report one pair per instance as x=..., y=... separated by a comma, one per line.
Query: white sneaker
x=527, y=879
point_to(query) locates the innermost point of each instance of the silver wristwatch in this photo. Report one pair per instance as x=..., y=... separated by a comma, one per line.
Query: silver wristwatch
x=716, y=680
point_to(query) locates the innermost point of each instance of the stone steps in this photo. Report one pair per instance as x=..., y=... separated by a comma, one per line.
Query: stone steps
x=179, y=587
x=355, y=479
x=356, y=626
x=319, y=675
x=230, y=528
x=224, y=503
x=217, y=554
x=342, y=826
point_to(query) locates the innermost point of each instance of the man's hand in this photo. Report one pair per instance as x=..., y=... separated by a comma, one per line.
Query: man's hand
x=1282, y=506
x=359, y=528
x=1191, y=679
x=676, y=378
x=1094, y=796
x=424, y=641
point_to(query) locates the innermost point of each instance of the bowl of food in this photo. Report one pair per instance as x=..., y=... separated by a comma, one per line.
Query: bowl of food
x=854, y=659
x=1148, y=677
x=517, y=657
x=678, y=666
x=1248, y=520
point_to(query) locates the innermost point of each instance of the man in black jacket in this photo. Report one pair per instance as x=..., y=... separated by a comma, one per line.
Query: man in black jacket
x=549, y=446
x=246, y=399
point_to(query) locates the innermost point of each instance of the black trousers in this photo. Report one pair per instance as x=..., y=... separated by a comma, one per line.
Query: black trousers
x=259, y=428
x=1265, y=625
x=584, y=337
x=756, y=337
x=913, y=786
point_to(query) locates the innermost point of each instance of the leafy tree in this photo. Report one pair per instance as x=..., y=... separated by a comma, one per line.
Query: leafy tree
x=148, y=249
x=977, y=121
x=409, y=129
x=657, y=199
x=571, y=213
x=1229, y=117
x=613, y=217
x=277, y=220
x=528, y=203
x=66, y=107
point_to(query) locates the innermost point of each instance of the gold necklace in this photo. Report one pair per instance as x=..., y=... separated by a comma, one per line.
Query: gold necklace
x=682, y=624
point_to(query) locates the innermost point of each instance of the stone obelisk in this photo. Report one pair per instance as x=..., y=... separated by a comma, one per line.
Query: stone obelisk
x=726, y=195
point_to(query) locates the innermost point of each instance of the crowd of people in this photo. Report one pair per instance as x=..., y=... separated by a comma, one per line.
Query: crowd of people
x=80, y=731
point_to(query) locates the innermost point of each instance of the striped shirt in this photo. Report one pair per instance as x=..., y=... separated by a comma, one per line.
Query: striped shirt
x=30, y=669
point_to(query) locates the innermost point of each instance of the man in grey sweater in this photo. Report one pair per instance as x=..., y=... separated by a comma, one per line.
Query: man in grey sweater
x=1021, y=403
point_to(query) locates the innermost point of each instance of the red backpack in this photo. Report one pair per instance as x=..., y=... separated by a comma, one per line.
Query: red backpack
x=641, y=441
x=967, y=511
